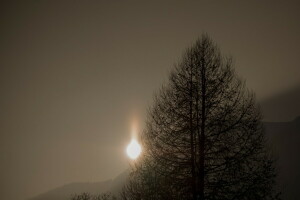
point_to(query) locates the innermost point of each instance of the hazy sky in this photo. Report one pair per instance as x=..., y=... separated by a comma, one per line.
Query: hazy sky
x=75, y=75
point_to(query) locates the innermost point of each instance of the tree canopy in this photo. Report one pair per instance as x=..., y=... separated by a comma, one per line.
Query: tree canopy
x=204, y=138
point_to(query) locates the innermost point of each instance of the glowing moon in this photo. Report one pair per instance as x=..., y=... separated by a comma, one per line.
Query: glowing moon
x=133, y=149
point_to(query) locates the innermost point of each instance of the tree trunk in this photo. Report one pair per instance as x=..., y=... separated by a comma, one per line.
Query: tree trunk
x=202, y=135
x=192, y=140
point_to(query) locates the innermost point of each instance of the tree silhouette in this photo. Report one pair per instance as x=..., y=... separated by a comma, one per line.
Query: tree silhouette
x=87, y=196
x=204, y=138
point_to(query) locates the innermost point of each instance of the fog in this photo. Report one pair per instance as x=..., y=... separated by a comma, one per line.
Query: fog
x=76, y=75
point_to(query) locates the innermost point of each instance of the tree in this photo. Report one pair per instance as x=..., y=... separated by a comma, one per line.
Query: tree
x=204, y=138
x=87, y=196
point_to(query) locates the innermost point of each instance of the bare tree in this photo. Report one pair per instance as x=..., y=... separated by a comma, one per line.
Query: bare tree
x=204, y=137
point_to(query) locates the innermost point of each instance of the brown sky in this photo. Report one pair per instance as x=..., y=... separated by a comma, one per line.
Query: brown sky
x=74, y=75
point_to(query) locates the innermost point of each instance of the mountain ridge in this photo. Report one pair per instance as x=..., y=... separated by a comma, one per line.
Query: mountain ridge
x=66, y=191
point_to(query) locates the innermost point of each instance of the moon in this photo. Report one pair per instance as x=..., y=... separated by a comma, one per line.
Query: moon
x=133, y=149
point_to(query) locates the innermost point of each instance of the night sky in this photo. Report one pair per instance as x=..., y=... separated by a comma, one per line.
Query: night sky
x=76, y=76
